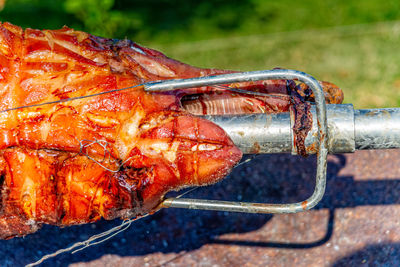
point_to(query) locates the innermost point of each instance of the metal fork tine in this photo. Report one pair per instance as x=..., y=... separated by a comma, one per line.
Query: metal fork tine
x=256, y=76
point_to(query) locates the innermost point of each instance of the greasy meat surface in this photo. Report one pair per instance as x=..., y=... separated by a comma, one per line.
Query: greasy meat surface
x=274, y=98
x=110, y=155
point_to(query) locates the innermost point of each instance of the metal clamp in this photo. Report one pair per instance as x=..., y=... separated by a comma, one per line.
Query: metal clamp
x=322, y=152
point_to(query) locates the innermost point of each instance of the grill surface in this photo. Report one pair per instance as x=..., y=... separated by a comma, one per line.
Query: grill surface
x=356, y=223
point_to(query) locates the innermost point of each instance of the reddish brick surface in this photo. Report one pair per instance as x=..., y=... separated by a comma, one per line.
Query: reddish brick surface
x=357, y=223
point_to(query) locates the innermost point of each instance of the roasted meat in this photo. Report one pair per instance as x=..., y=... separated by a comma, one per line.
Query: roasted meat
x=118, y=152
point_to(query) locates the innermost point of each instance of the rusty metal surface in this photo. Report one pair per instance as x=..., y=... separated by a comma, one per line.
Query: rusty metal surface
x=357, y=223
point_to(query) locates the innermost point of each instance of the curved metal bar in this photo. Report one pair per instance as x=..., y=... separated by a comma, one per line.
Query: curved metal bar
x=256, y=76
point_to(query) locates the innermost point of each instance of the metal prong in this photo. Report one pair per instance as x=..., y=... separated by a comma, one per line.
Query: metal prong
x=322, y=144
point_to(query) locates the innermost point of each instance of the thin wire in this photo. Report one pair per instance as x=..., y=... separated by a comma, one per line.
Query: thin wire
x=247, y=92
x=104, y=145
x=247, y=160
x=252, y=157
x=91, y=241
x=112, y=234
x=72, y=98
x=237, y=90
x=187, y=192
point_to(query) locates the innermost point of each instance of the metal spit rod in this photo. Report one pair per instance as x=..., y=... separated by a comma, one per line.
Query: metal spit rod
x=348, y=130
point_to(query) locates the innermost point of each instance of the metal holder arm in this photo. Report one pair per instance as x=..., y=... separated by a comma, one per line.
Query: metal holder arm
x=322, y=151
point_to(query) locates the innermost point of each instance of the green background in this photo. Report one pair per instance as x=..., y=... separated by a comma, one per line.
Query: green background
x=354, y=44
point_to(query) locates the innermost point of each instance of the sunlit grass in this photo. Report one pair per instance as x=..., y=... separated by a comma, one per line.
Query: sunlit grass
x=308, y=35
x=364, y=60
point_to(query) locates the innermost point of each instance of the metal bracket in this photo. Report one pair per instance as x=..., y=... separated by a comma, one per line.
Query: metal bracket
x=322, y=152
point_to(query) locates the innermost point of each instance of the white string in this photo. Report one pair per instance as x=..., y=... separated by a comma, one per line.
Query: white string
x=91, y=241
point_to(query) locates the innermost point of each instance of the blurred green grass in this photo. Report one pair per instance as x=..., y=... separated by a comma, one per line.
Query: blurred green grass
x=364, y=60
x=352, y=43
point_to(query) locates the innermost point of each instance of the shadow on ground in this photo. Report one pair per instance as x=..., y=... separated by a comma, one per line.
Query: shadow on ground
x=267, y=178
x=373, y=255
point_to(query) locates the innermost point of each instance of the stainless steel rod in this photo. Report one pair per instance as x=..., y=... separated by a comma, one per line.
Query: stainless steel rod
x=205, y=204
x=340, y=130
x=348, y=130
x=258, y=133
x=377, y=128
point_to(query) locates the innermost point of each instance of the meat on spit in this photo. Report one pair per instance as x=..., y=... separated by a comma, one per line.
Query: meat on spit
x=118, y=152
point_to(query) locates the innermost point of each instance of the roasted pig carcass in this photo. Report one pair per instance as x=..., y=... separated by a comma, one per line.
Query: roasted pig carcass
x=118, y=152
